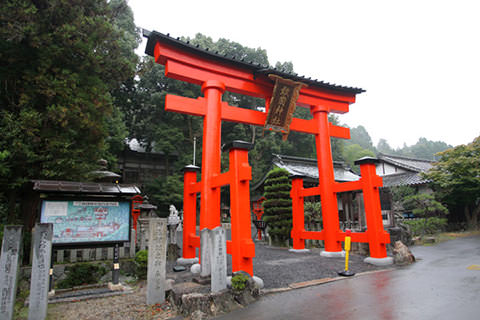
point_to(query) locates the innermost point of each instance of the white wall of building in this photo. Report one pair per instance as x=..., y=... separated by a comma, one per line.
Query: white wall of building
x=384, y=169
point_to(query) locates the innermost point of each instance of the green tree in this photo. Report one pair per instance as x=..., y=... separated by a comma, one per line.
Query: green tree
x=64, y=58
x=166, y=191
x=278, y=204
x=354, y=152
x=426, y=149
x=456, y=179
x=425, y=206
x=338, y=145
x=360, y=136
x=384, y=147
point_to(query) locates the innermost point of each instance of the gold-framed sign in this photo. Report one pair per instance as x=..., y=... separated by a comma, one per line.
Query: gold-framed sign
x=282, y=105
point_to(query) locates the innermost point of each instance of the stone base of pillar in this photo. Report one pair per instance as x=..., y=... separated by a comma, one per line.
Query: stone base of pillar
x=258, y=281
x=299, y=250
x=333, y=254
x=195, y=269
x=379, y=261
x=184, y=261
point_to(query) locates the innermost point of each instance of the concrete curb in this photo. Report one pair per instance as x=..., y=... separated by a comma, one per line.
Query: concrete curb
x=310, y=283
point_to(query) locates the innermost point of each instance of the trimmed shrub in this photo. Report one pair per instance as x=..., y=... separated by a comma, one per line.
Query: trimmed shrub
x=81, y=273
x=141, y=264
x=278, y=204
x=423, y=226
x=239, y=282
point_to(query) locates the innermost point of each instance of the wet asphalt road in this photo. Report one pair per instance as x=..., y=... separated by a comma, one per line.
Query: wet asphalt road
x=439, y=285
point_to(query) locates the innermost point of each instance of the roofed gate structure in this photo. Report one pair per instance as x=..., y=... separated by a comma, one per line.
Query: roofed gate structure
x=216, y=74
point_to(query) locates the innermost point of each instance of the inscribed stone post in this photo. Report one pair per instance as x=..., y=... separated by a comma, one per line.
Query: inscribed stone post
x=73, y=255
x=205, y=267
x=133, y=240
x=143, y=233
x=85, y=254
x=157, y=258
x=218, y=259
x=60, y=256
x=98, y=254
x=12, y=236
x=42, y=251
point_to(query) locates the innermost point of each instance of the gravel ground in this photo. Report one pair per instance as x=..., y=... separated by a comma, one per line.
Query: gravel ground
x=123, y=307
x=276, y=266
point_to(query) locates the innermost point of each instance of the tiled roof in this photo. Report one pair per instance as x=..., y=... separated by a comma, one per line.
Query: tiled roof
x=417, y=165
x=308, y=168
x=256, y=68
x=403, y=179
x=84, y=187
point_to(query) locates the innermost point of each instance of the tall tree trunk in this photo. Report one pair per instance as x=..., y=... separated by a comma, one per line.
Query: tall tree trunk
x=471, y=217
x=12, y=204
x=475, y=216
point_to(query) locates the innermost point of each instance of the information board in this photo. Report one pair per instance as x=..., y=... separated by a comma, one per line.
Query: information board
x=86, y=221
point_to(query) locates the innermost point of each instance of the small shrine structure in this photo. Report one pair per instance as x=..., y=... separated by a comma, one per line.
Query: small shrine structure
x=282, y=92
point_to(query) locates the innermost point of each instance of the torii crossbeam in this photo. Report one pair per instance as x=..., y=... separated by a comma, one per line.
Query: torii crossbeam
x=217, y=74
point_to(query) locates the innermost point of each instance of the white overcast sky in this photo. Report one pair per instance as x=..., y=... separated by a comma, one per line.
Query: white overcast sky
x=419, y=60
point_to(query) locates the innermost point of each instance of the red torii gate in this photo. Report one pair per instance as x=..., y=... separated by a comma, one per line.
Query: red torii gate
x=217, y=74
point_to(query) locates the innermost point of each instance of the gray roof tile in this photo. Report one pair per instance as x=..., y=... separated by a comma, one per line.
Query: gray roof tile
x=308, y=167
x=402, y=179
x=256, y=68
x=418, y=165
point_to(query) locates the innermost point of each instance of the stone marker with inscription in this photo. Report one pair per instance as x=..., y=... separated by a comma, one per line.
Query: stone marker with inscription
x=157, y=259
x=42, y=250
x=205, y=253
x=12, y=236
x=218, y=259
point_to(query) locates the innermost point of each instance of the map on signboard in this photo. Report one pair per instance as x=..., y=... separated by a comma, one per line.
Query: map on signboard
x=87, y=221
x=282, y=105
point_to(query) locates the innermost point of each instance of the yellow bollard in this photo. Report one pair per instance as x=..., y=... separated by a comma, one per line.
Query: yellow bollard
x=348, y=241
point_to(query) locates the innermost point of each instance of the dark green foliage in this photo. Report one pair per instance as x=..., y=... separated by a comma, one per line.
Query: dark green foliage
x=399, y=193
x=166, y=191
x=422, y=149
x=80, y=274
x=313, y=212
x=278, y=204
x=62, y=60
x=360, y=136
x=141, y=264
x=456, y=180
x=424, y=206
x=353, y=152
x=420, y=227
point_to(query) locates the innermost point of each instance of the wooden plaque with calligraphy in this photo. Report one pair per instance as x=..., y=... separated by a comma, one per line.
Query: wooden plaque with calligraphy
x=282, y=105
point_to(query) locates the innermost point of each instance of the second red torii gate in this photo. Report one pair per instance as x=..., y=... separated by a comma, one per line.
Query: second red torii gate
x=217, y=74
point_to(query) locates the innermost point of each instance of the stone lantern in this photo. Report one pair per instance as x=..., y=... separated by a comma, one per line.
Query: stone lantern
x=147, y=211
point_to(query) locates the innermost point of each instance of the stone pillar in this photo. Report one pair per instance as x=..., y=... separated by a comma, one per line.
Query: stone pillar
x=218, y=259
x=12, y=236
x=143, y=233
x=157, y=257
x=60, y=256
x=132, y=243
x=73, y=255
x=98, y=254
x=205, y=253
x=42, y=251
x=109, y=253
x=85, y=255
